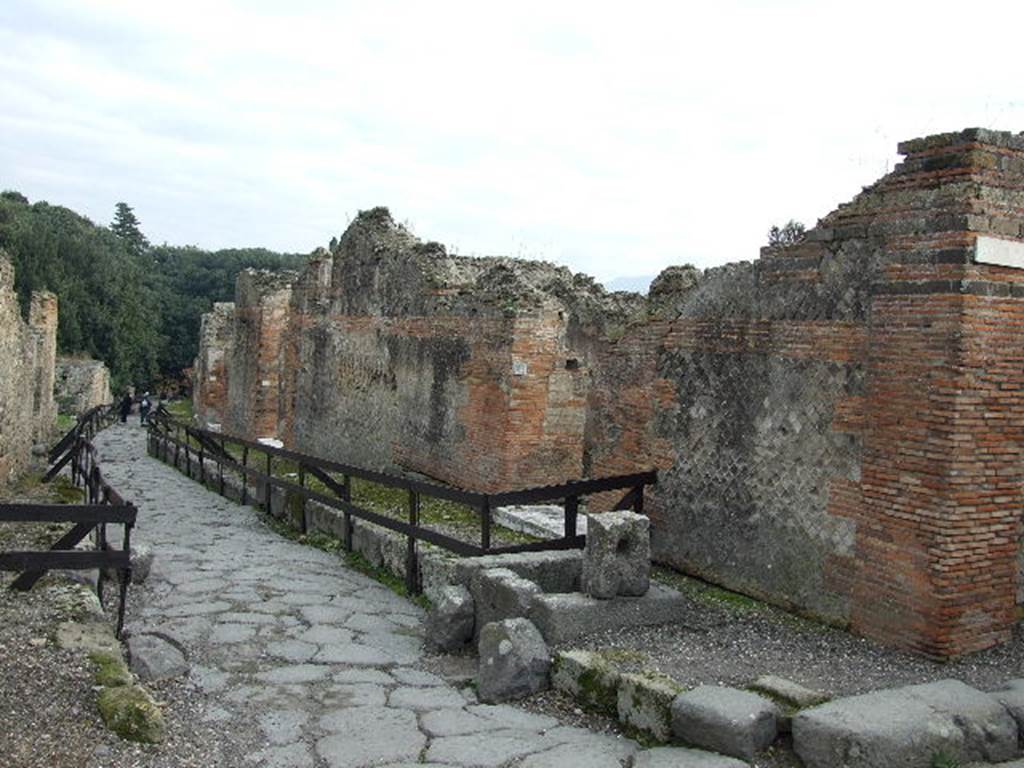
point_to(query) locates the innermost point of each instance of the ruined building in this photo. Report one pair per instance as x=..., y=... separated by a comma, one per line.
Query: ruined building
x=81, y=383
x=27, y=355
x=838, y=424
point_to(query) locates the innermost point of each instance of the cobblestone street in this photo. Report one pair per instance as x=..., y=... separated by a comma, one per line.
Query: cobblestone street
x=301, y=660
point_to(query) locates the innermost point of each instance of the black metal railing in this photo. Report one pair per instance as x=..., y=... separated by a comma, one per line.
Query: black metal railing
x=168, y=435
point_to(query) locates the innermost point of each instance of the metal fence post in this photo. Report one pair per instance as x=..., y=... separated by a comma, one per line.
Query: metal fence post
x=245, y=474
x=411, y=560
x=572, y=507
x=485, y=524
x=303, y=524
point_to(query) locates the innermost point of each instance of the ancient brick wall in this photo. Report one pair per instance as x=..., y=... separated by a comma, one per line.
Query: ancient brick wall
x=837, y=423
x=81, y=384
x=27, y=355
x=254, y=403
x=210, y=372
x=401, y=356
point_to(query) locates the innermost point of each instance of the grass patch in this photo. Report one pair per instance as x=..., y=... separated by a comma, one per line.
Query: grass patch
x=111, y=670
x=707, y=593
x=63, y=491
x=180, y=409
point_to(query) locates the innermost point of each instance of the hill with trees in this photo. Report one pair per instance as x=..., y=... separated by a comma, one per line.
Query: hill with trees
x=133, y=305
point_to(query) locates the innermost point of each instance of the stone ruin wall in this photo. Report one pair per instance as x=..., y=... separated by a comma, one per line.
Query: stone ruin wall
x=210, y=385
x=27, y=358
x=81, y=384
x=837, y=424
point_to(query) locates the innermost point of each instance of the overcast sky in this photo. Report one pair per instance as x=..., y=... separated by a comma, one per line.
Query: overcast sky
x=614, y=138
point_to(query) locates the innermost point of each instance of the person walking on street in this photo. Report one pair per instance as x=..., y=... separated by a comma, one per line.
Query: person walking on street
x=144, y=406
x=126, y=406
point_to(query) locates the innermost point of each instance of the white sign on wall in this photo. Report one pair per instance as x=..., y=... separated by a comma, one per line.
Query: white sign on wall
x=1002, y=253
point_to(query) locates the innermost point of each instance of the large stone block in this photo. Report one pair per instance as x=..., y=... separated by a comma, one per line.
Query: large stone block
x=564, y=617
x=906, y=728
x=154, y=658
x=617, y=558
x=501, y=594
x=450, y=624
x=514, y=661
x=587, y=678
x=555, y=571
x=645, y=704
x=726, y=720
x=1011, y=696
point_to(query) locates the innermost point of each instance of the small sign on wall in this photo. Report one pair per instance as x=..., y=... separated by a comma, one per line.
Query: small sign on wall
x=1002, y=253
x=519, y=368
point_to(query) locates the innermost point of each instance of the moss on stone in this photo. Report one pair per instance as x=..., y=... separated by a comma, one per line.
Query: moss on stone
x=130, y=712
x=111, y=671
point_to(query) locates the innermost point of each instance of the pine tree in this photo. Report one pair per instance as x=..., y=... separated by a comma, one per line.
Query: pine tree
x=126, y=226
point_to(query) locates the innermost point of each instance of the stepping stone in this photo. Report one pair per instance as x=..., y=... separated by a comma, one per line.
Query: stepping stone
x=154, y=658
x=726, y=720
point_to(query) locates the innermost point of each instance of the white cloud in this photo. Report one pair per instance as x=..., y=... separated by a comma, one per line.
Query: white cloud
x=615, y=139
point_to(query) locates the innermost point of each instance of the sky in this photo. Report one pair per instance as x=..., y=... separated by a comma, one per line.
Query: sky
x=614, y=138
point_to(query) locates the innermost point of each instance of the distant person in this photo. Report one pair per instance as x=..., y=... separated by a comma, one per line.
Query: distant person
x=126, y=406
x=144, y=407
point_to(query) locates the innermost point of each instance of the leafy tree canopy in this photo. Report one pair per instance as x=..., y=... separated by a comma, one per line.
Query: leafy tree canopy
x=123, y=301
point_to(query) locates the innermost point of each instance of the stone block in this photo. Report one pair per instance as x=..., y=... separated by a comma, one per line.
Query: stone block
x=564, y=617
x=514, y=661
x=587, y=678
x=366, y=542
x=154, y=658
x=617, y=558
x=645, y=704
x=727, y=720
x=450, y=623
x=500, y=593
x=141, y=560
x=1011, y=696
x=556, y=571
x=790, y=693
x=906, y=728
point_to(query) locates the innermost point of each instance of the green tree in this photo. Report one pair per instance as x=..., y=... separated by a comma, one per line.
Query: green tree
x=126, y=226
x=135, y=307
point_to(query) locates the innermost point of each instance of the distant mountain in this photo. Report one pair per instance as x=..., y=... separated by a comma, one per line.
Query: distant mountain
x=637, y=284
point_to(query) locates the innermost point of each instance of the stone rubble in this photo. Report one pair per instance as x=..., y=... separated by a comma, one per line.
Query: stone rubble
x=514, y=661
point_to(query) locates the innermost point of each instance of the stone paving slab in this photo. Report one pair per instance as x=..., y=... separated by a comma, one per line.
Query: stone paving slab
x=298, y=659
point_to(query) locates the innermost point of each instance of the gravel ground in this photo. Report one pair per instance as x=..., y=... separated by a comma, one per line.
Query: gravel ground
x=733, y=641
x=47, y=696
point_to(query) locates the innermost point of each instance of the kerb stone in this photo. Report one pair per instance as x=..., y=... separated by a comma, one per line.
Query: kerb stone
x=906, y=728
x=727, y=720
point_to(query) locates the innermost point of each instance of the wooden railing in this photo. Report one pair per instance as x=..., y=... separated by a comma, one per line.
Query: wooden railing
x=103, y=505
x=256, y=461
